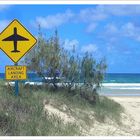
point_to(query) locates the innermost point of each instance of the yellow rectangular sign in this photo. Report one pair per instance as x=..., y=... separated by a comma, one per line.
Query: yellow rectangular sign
x=16, y=72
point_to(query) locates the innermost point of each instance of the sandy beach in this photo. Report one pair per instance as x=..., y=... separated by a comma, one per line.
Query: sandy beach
x=131, y=116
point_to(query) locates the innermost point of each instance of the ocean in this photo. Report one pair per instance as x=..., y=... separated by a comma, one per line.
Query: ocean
x=109, y=77
x=114, y=84
x=121, y=84
x=122, y=78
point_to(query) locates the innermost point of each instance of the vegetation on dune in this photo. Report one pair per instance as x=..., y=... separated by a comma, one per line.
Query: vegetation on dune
x=25, y=115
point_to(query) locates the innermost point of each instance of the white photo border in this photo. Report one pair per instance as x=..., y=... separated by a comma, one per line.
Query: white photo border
x=69, y=2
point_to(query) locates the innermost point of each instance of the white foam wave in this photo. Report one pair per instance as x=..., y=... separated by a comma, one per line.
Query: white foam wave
x=122, y=86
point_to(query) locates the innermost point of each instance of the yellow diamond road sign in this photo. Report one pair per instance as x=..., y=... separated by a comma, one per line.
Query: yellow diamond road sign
x=16, y=41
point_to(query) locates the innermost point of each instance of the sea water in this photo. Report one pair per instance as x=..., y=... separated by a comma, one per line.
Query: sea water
x=108, y=78
x=122, y=78
x=120, y=84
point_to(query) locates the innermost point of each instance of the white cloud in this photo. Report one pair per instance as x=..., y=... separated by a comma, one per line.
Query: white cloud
x=52, y=21
x=116, y=36
x=91, y=27
x=3, y=24
x=91, y=14
x=101, y=12
x=131, y=30
x=98, y=13
x=111, y=29
x=121, y=10
x=116, y=10
x=71, y=44
x=90, y=48
x=114, y=32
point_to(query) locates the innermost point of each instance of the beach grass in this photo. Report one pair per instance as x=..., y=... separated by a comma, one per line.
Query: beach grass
x=25, y=116
x=108, y=108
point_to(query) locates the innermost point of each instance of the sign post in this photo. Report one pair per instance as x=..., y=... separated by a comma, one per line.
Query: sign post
x=15, y=42
x=16, y=84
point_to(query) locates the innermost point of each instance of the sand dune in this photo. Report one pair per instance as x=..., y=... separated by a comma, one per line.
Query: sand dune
x=131, y=105
x=130, y=119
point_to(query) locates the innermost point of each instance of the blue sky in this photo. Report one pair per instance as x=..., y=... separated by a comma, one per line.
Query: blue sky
x=111, y=31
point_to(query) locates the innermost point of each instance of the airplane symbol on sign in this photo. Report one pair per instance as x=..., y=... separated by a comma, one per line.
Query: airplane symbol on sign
x=15, y=38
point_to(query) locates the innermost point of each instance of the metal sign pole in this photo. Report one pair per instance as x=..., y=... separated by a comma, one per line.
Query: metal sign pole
x=16, y=84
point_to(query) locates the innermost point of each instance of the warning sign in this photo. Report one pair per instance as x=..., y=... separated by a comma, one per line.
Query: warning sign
x=16, y=41
x=16, y=72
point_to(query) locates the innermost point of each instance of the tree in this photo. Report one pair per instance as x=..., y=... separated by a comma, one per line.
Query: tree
x=50, y=59
x=36, y=58
x=71, y=70
x=44, y=59
x=92, y=75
